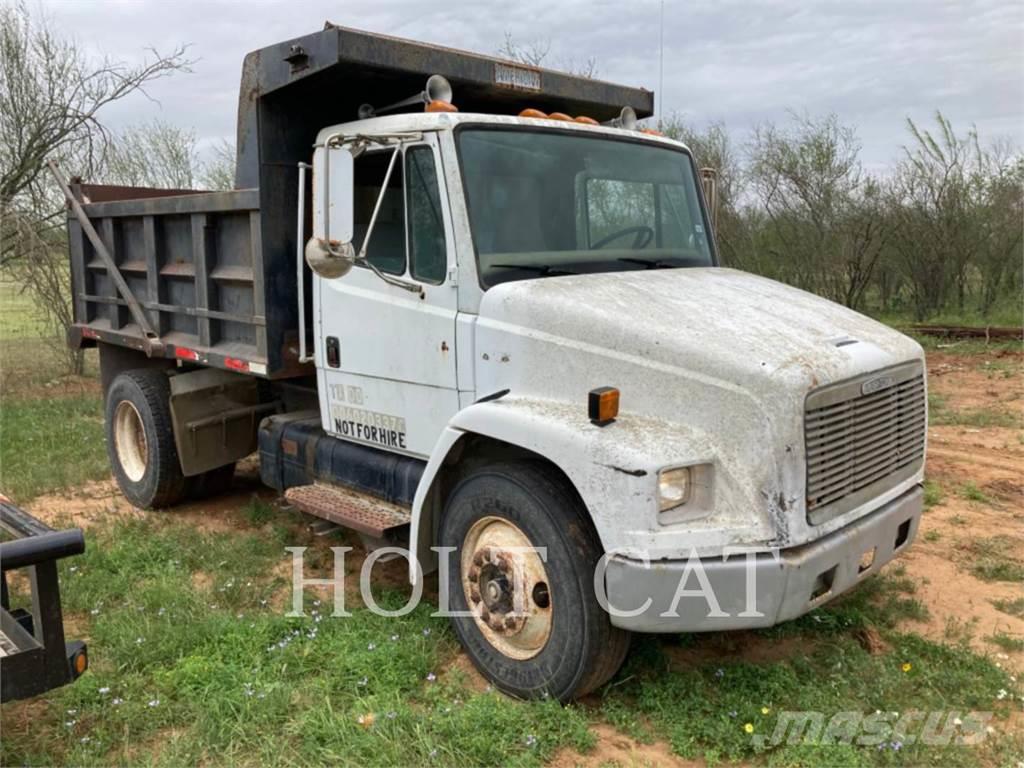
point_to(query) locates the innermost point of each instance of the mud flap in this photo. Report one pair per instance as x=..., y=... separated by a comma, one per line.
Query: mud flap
x=216, y=414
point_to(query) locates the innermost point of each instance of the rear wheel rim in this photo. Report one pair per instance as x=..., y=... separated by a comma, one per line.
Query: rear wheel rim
x=130, y=441
x=506, y=587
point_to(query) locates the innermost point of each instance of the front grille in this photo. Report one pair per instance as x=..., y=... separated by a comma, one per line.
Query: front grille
x=862, y=437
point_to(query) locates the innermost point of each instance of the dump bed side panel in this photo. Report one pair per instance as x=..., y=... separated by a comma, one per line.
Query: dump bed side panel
x=195, y=265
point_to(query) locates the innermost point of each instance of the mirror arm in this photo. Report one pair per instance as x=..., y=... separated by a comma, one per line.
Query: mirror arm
x=390, y=279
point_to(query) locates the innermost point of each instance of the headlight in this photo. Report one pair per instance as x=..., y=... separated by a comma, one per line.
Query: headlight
x=673, y=488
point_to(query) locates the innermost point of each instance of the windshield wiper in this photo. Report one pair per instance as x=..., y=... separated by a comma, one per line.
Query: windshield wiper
x=649, y=263
x=545, y=270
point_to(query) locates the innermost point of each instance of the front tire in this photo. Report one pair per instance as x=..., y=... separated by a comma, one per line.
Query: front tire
x=536, y=627
x=140, y=439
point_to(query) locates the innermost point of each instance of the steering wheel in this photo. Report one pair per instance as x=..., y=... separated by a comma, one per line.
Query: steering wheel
x=644, y=235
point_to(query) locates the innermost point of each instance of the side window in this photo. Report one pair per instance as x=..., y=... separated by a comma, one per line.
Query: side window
x=427, y=253
x=387, y=245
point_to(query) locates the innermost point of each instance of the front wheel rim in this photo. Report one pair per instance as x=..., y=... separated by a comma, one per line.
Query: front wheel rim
x=506, y=587
x=130, y=441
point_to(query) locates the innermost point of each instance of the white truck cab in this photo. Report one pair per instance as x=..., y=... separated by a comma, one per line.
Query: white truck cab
x=522, y=357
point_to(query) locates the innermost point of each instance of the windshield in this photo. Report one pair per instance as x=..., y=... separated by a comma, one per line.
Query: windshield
x=544, y=203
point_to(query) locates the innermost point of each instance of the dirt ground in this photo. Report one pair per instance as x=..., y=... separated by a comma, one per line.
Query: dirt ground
x=979, y=471
x=960, y=458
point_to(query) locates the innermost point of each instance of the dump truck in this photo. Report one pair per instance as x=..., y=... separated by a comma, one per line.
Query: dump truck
x=473, y=308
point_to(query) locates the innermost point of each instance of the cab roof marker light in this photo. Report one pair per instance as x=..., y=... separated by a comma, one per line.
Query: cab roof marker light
x=586, y=120
x=534, y=113
x=440, y=106
x=559, y=116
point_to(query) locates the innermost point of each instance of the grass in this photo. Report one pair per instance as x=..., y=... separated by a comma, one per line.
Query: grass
x=19, y=317
x=933, y=494
x=993, y=559
x=972, y=492
x=940, y=413
x=1006, y=641
x=194, y=662
x=1010, y=607
x=47, y=444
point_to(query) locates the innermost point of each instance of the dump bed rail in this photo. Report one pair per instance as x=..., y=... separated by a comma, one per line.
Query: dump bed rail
x=192, y=262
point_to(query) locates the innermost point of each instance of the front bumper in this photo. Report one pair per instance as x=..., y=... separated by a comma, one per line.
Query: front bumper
x=747, y=590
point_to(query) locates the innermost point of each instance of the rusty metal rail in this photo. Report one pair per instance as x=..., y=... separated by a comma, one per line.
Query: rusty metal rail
x=1000, y=333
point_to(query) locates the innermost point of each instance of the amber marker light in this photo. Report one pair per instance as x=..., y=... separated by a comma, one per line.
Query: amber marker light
x=440, y=106
x=586, y=120
x=603, y=405
x=531, y=112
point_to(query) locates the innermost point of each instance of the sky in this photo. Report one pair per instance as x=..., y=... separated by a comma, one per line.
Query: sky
x=874, y=64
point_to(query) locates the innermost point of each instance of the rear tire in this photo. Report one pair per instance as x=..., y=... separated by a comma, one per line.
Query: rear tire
x=140, y=439
x=565, y=646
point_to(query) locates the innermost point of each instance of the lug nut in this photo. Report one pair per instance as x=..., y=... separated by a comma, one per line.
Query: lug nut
x=474, y=573
x=474, y=593
x=478, y=558
x=485, y=615
x=496, y=624
x=510, y=621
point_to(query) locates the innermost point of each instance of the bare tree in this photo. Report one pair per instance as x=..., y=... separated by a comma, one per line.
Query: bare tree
x=153, y=154
x=822, y=230
x=50, y=95
x=712, y=147
x=535, y=53
x=217, y=171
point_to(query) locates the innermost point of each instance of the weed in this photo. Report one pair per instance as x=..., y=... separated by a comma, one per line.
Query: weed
x=1011, y=607
x=933, y=494
x=259, y=512
x=940, y=413
x=1006, y=641
x=932, y=536
x=992, y=559
x=972, y=492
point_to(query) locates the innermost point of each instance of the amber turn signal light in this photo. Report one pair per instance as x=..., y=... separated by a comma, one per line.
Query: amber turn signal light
x=603, y=405
x=440, y=106
x=80, y=662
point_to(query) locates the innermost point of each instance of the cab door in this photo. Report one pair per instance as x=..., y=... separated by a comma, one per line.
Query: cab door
x=385, y=354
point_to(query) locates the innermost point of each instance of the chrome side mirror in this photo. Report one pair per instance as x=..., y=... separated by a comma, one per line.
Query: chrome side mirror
x=332, y=254
x=330, y=258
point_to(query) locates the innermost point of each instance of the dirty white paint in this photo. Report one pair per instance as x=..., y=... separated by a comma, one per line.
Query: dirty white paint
x=713, y=366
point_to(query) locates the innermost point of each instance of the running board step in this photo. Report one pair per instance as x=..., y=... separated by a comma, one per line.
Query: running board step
x=349, y=509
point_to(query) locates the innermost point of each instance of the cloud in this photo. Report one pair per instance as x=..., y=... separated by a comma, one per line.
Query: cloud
x=873, y=63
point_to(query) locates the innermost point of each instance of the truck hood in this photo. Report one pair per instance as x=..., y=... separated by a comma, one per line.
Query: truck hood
x=719, y=323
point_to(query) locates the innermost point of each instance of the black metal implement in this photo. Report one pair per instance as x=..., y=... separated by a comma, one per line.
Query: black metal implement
x=34, y=656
